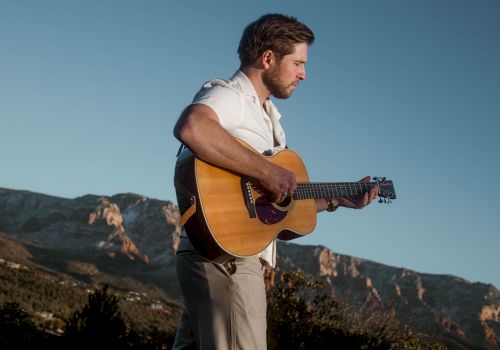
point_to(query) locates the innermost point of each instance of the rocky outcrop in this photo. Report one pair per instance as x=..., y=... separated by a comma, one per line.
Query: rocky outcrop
x=110, y=212
x=91, y=233
x=125, y=225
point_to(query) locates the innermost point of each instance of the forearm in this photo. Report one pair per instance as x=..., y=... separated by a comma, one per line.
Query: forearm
x=199, y=129
x=321, y=204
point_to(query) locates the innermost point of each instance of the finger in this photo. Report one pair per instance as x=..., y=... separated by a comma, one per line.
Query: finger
x=360, y=202
x=280, y=196
x=365, y=179
x=374, y=192
x=345, y=202
x=366, y=199
x=292, y=184
x=284, y=196
x=277, y=197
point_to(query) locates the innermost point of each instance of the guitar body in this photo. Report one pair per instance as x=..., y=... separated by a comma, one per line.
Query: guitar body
x=234, y=216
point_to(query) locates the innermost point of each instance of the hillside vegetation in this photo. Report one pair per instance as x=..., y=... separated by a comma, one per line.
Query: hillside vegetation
x=40, y=308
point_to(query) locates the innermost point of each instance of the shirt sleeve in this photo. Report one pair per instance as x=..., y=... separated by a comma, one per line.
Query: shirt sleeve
x=224, y=100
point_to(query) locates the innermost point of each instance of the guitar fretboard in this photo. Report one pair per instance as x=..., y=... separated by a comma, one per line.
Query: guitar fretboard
x=317, y=190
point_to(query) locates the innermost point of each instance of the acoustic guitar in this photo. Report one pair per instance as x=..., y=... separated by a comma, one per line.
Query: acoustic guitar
x=229, y=215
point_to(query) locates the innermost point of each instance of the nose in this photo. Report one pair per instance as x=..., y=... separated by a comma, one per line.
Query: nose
x=302, y=73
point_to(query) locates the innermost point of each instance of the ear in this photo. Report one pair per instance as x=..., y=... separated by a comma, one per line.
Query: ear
x=268, y=59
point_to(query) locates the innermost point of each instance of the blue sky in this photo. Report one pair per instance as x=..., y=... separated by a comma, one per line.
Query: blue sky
x=410, y=90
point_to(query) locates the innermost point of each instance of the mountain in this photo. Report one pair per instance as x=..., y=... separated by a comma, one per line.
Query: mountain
x=439, y=304
x=129, y=242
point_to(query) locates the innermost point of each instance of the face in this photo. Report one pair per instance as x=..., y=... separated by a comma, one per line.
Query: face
x=282, y=77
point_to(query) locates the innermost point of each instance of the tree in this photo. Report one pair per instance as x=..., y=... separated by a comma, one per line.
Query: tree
x=99, y=323
x=17, y=331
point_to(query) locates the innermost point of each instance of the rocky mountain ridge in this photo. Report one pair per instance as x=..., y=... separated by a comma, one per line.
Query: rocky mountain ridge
x=132, y=235
x=431, y=303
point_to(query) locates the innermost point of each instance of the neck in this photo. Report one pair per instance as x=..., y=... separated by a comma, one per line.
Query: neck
x=319, y=190
x=254, y=74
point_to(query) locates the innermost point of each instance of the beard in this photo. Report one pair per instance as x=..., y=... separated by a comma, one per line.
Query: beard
x=273, y=83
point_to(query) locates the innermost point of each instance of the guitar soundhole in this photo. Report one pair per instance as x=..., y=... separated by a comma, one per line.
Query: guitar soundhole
x=267, y=213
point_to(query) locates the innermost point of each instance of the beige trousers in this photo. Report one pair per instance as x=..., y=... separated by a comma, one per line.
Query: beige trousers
x=225, y=304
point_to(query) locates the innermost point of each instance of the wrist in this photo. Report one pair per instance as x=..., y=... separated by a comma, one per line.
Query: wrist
x=332, y=204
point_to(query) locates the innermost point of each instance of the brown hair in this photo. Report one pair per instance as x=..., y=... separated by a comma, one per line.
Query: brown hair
x=275, y=32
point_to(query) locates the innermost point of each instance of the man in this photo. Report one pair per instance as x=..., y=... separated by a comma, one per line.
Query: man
x=225, y=305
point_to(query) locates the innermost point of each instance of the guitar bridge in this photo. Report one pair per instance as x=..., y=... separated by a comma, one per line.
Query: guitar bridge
x=246, y=189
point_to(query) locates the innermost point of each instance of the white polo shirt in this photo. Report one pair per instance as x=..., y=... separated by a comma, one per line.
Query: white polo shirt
x=239, y=111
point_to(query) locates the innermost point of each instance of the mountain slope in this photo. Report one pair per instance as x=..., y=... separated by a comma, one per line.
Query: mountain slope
x=129, y=242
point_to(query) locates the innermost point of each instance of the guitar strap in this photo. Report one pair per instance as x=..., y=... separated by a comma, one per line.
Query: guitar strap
x=185, y=197
x=181, y=148
x=188, y=213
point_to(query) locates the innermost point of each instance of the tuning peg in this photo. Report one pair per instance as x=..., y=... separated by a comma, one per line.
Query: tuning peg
x=385, y=200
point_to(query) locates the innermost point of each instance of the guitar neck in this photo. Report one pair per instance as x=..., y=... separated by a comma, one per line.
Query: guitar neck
x=318, y=190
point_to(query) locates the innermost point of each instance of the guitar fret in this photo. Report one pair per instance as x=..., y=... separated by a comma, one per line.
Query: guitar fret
x=317, y=190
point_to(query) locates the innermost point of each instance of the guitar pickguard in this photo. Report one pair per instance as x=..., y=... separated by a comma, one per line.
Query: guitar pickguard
x=270, y=213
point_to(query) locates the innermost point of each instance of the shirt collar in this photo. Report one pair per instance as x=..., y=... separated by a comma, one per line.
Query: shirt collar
x=245, y=85
x=248, y=89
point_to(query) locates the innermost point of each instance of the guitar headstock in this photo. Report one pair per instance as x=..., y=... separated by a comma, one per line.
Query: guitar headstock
x=386, y=190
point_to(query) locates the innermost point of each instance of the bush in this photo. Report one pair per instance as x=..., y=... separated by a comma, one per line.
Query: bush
x=18, y=331
x=301, y=315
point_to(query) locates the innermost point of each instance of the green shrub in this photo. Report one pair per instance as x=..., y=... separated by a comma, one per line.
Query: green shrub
x=301, y=315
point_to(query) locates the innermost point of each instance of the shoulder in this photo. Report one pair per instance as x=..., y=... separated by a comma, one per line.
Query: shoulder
x=219, y=89
x=225, y=98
